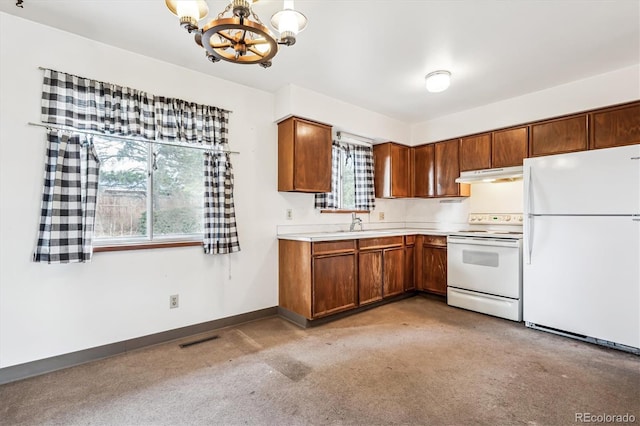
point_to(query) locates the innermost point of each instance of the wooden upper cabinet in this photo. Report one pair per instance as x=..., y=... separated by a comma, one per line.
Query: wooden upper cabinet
x=560, y=135
x=447, y=170
x=304, y=156
x=615, y=126
x=475, y=152
x=392, y=170
x=423, y=170
x=509, y=147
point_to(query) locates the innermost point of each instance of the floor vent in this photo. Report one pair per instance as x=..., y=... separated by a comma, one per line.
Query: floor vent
x=195, y=342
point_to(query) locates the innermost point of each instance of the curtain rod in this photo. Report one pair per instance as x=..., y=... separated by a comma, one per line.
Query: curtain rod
x=129, y=138
x=44, y=69
x=356, y=139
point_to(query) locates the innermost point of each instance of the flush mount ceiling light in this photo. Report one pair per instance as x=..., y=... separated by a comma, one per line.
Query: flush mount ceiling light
x=438, y=81
x=237, y=38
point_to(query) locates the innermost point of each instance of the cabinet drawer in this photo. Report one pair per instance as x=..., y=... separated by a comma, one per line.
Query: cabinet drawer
x=435, y=240
x=410, y=240
x=373, y=243
x=330, y=247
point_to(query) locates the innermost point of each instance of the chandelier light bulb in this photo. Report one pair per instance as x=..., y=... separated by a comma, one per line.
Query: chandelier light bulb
x=438, y=81
x=188, y=11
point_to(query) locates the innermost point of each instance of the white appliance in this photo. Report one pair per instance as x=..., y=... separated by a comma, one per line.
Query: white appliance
x=582, y=245
x=484, y=266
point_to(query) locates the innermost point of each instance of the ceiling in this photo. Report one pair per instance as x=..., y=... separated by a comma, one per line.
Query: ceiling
x=375, y=54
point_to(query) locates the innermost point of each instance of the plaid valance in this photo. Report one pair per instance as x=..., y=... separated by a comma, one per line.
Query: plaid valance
x=88, y=104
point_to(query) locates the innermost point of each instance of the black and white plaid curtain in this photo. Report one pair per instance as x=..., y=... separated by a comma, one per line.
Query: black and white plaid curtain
x=363, y=176
x=68, y=200
x=331, y=200
x=362, y=157
x=182, y=121
x=87, y=104
x=220, y=231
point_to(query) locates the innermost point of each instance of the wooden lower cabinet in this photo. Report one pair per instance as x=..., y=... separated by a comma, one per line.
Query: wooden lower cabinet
x=431, y=264
x=409, y=269
x=370, y=276
x=334, y=284
x=323, y=278
x=434, y=272
x=393, y=271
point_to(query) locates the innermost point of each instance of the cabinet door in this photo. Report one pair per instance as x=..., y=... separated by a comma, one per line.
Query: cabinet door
x=434, y=269
x=393, y=269
x=304, y=156
x=509, y=147
x=334, y=284
x=447, y=169
x=615, y=126
x=400, y=170
x=424, y=171
x=409, y=269
x=312, y=157
x=557, y=136
x=475, y=153
x=370, y=276
x=392, y=171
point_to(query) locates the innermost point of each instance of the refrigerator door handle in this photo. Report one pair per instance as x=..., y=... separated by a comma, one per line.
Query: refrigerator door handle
x=529, y=225
x=530, y=239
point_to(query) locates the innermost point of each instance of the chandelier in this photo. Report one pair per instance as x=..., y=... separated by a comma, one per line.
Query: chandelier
x=234, y=36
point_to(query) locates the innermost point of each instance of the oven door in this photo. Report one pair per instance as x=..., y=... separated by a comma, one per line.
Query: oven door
x=486, y=265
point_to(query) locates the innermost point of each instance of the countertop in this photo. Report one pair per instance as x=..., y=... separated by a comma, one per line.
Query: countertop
x=352, y=235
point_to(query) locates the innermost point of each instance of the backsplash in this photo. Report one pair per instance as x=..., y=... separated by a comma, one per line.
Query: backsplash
x=445, y=213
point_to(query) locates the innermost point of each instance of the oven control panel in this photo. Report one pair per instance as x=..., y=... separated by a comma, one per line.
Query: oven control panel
x=496, y=218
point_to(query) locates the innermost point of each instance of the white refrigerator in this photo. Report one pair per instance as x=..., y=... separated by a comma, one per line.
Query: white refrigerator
x=581, y=269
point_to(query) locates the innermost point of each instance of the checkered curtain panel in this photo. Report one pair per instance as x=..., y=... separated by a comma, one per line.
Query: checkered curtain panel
x=68, y=200
x=363, y=176
x=182, y=121
x=220, y=231
x=331, y=200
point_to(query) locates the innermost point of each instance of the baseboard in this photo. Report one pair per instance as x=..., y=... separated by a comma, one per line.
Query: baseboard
x=303, y=322
x=47, y=365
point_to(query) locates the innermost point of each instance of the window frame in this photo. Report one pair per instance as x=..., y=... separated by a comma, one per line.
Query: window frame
x=148, y=241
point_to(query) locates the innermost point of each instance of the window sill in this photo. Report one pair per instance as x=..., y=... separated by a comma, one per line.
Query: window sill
x=145, y=246
x=345, y=211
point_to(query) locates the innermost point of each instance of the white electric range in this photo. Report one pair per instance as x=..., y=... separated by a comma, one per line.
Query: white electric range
x=484, y=265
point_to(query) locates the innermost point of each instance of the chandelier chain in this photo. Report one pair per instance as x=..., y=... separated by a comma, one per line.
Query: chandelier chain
x=226, y=9
x=256, y=17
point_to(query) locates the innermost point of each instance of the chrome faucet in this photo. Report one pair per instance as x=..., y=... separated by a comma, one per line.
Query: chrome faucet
x=355, y=221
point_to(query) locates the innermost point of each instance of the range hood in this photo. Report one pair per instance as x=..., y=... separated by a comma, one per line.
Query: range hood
x=503, y=174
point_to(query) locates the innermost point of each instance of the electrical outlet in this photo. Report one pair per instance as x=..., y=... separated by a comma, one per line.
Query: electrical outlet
x=174, y=301
x=289, y=214
x=381, y=216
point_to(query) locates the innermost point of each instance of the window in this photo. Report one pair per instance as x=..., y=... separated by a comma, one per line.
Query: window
x=148, y=192
x=347, y=196
x=351, y=179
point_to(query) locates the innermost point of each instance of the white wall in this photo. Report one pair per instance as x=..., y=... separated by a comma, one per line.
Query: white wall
x=47, y=310
x=614, y=87
x=301, y=102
